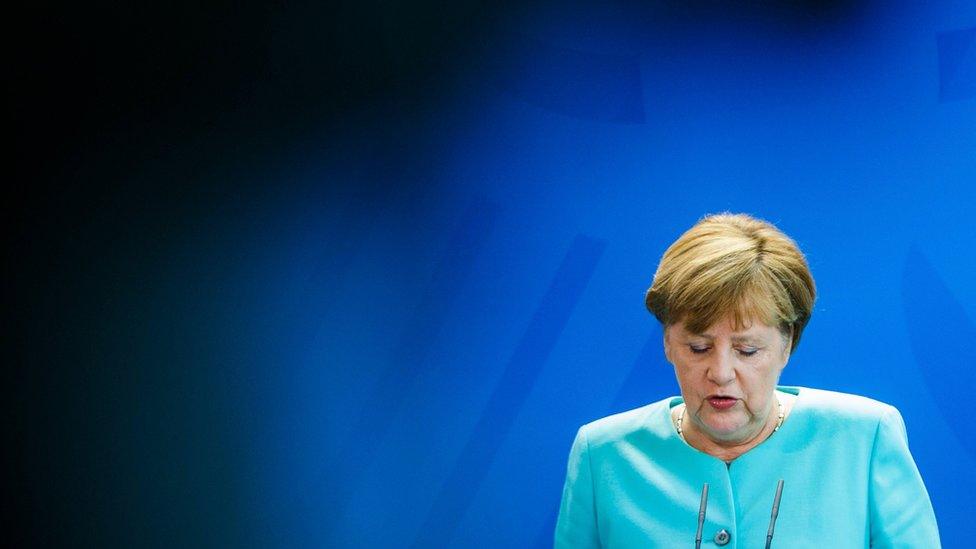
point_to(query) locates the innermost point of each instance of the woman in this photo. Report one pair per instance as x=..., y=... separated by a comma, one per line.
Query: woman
x=737, y=460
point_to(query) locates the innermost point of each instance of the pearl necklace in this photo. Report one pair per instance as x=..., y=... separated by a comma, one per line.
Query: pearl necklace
x=681, y=418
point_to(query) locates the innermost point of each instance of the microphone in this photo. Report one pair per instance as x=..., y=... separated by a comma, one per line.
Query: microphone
x=774, y=514
x=701, y=516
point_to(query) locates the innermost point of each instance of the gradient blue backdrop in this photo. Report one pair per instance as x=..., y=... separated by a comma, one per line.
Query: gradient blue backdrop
x=428, y=348
x=459, y=326
x=455, y=330
x=390, y=334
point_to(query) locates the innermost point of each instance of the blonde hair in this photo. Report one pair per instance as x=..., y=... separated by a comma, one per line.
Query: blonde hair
x=733, y=264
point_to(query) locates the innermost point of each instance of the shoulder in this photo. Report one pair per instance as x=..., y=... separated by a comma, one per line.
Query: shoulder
x=831, y=406
x=650, y=420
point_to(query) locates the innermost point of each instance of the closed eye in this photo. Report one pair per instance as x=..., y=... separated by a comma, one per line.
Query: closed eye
x=698, y=350
x=748, y=351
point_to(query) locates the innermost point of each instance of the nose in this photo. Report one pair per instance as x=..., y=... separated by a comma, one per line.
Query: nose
x=721, y=371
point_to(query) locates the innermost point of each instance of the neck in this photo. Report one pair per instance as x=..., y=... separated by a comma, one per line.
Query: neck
x=728, y=450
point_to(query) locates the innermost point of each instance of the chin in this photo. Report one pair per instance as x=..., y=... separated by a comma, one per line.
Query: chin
x=725, y=430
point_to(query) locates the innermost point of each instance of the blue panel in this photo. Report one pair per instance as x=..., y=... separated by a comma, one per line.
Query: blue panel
x=415, y=340
x=650, y=377
x=957, y=64
x=942, y=338
x=512, y=389
x=574, y=82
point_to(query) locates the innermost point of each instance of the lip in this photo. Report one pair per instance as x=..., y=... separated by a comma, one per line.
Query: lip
x=722, y=402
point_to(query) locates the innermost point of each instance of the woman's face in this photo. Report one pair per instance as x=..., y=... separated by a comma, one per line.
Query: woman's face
x=727, y=377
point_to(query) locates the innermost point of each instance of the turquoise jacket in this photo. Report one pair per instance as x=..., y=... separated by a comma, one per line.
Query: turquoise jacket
x=849, y=482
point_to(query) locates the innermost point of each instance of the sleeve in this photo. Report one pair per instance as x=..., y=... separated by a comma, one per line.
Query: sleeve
x=900, y=511
x=576, y=525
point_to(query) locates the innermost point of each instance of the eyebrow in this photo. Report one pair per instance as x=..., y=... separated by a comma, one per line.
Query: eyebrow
x=735, y=338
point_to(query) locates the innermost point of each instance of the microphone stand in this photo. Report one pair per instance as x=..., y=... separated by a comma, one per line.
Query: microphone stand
x=774, y=514
x=701, y=516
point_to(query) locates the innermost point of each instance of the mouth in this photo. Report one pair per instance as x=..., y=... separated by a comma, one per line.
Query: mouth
x=721, y=402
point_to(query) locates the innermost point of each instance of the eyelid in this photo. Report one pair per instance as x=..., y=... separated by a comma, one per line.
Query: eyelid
x=747, y=350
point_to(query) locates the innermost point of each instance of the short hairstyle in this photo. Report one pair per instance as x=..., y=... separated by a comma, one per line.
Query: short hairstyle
x=738, y=265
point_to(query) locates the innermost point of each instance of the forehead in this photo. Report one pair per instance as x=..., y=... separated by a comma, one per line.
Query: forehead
x=726, y=327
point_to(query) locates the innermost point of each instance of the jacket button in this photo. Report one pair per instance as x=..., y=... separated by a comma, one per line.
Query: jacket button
x=722, y=537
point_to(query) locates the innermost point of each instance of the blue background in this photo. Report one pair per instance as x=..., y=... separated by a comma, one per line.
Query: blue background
x=353, y=278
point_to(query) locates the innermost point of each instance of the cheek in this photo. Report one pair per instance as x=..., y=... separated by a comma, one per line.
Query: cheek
x=761, y=377
x=690, y=380
x=770, y=378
